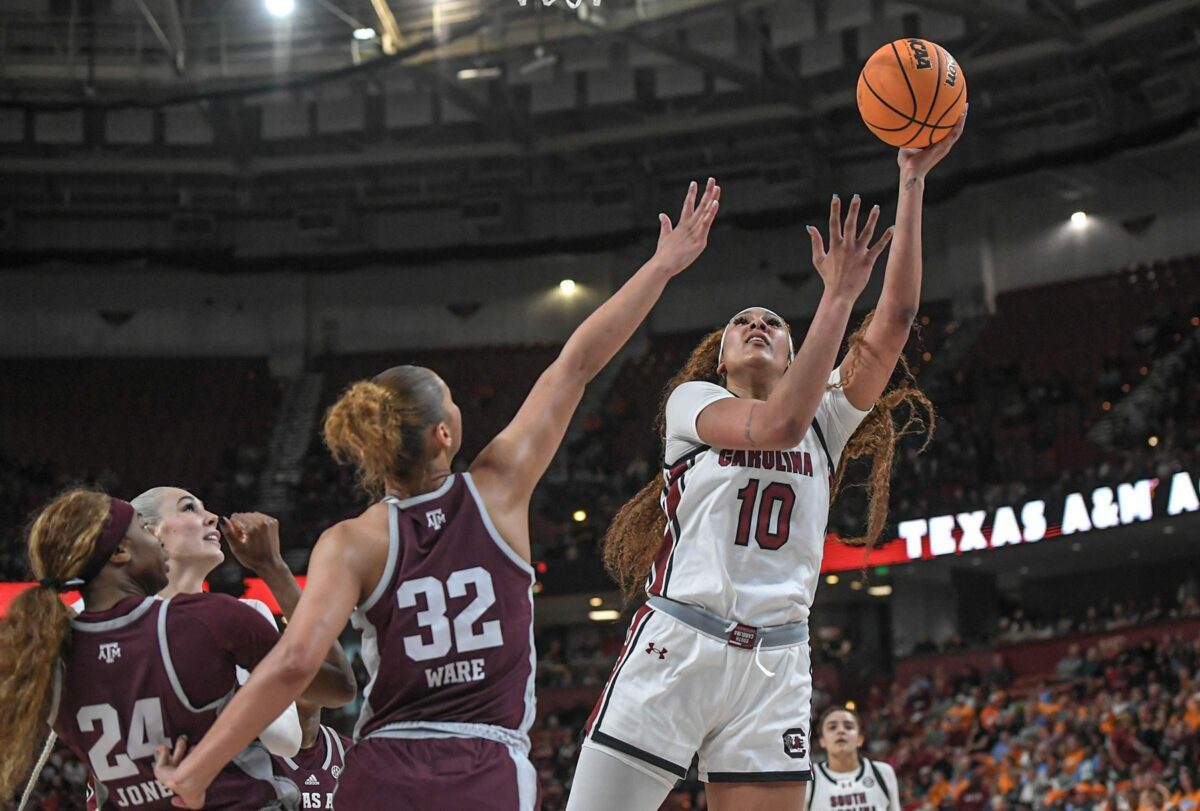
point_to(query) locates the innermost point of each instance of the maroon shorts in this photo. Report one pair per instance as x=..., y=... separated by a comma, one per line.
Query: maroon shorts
x=434, y=774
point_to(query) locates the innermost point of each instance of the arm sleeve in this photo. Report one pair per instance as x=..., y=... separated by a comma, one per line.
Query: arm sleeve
x=683, y=409
x=837, y=417
x=283, y=736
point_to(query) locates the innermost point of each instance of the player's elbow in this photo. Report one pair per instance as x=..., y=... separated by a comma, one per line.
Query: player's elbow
x=782, y=434
x=297, y=666
x=344, y=688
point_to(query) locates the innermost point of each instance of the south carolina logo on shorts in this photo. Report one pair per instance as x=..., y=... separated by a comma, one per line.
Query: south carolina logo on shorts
x=793, y=744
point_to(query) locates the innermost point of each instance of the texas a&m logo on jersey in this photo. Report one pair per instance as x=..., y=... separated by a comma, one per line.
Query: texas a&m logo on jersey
x=793, y=744
x=109, y=652
x=435, y=519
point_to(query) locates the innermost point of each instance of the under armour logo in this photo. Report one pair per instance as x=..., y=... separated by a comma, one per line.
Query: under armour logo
x=110, y=651
x=662, y=652
x=435, y=518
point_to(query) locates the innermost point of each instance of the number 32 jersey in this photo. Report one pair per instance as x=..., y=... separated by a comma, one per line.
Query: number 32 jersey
x=448, y=632
x=746, y=529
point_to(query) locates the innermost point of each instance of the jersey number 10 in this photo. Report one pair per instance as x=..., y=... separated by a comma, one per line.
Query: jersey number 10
x=467, y=637
x=764, y=504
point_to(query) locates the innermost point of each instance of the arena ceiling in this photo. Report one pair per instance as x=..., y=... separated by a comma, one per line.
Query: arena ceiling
x=152, y=107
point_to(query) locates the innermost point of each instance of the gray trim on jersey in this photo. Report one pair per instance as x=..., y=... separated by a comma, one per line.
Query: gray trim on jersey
x=405, y=503
x=256, y=762
x=527, y=780
x=329, y=739
x=55, y=691
x=369, y=649
x=169, y=665
x=358, y=618
x=530, y=697
x=336, y=740
x=512, y=738
x=393, y=557
x=89, y=627
x=491, y=528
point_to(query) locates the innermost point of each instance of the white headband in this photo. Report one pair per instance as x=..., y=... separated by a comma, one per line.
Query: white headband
x=791, y=343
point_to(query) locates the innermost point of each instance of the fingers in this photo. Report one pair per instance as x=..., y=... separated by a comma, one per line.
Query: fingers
x=835, y=221
x=850, y=227
x=818, y=245
x=868, y=232
x=882, y=243
x=689, y=204
x=180, y=750
x=664, y=227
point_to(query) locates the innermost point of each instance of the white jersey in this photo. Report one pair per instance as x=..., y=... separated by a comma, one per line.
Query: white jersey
x=872, y=788
x=746, y=529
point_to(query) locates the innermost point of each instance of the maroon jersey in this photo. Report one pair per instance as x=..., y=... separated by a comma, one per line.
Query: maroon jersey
x=448, y=632
x=315, y=770
x=149, y=670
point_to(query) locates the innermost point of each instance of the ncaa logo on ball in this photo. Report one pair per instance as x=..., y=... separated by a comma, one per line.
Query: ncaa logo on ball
x=920, y=54
x=793, y=744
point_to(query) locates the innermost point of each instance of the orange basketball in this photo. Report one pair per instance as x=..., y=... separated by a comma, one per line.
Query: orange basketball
x=911, y=93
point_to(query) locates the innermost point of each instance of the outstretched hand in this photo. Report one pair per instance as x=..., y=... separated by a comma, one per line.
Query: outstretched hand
x=166, y=769
x=679, y=245
x=846, y=266
x=918, y=162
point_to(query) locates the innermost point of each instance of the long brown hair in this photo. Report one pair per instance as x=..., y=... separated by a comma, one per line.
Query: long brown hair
x=636, y=532
x=37, y=630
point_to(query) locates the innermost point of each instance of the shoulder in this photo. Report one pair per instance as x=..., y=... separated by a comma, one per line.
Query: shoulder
x=697, y=390
x=885, y=770
x=209, y=607
x=258, y=605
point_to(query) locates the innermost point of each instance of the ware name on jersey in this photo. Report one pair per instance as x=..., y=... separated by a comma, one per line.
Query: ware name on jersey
x=447, y=634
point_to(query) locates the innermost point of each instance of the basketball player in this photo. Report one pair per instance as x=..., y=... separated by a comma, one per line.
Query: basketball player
x=440, y=574
x=133, y=671
x=190, y=534
x=716, y=664
x=847, y=781
x=315, y=769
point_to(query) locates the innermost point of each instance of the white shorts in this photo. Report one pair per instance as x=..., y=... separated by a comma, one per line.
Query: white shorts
x=676, y=692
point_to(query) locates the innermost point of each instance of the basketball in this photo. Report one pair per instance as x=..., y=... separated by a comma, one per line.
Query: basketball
x=911, y=93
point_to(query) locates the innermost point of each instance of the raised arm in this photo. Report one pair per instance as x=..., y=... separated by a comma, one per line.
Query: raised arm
x=780, y=421
x=291, y=670
x=254, y=540
x=511, y=465
x=869, y=365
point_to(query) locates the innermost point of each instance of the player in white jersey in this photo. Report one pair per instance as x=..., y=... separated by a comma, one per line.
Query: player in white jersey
x=847, y=781
x=716, y=663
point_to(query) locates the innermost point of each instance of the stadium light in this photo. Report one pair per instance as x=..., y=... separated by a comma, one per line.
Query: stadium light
x=850, y=705
x=596, y=602
x=280, y=8
x=1152, y=442
x=604, y=615
x=364, y=34
x=880, y=591
x=567, y=286
x=1079, y=219
x=832, y=579
x=580, y=516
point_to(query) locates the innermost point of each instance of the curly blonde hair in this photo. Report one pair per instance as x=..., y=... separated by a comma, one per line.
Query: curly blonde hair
x=380, y=426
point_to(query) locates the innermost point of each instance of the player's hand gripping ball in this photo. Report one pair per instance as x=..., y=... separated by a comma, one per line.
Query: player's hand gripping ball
x=911, y=93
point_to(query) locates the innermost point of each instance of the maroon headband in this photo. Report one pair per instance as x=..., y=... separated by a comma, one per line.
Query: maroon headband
x=120, y=516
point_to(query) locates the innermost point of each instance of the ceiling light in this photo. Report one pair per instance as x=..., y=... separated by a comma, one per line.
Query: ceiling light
x=280, y=8
x=364, y=34
x=604, y=615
